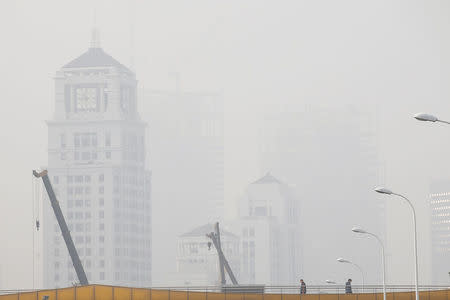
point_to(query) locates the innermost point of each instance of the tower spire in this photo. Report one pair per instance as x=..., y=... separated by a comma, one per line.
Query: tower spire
x=95, y=38
x=95, y=33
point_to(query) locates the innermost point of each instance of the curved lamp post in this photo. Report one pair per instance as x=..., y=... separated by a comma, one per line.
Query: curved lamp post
x=341, y=260
x=362, y=231
x=386, y=191
x=428, y=118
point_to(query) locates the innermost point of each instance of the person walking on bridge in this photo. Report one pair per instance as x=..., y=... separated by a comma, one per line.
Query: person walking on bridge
x=348, y=286
x=302, y=287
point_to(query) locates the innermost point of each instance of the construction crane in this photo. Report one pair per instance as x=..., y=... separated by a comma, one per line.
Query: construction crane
x=63, y=226
x=223, y=263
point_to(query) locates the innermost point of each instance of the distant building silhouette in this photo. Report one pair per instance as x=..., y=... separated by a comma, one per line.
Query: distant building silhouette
x=440, y=231
x=187, y=142
x=198, y=264
x=96, y=162
x=270, y=233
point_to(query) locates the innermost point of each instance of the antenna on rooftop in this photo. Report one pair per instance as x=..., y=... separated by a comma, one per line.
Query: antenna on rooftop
x=95, y=33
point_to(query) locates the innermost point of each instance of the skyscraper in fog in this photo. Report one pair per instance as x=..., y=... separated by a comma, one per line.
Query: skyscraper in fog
x=270, y=233
x=440, y=231
x=187, y=141
x=96, y=162
x=329, y=153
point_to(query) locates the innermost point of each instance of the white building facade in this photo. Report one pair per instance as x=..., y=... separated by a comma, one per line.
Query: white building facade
x=198, y=261
x=440, y=231
x=270, y=233
x=96, y=163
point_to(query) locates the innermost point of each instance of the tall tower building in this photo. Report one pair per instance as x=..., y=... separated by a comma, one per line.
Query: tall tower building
x=187, y=139
x=270, y=233
x=329, y=154
x=440, y=231
x=96, y=162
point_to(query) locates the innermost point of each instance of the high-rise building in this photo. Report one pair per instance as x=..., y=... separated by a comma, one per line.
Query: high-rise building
x=96, y=163
x=270, y=233
x=329, y=154
x=198, y=261
x=187, y=142
x=440, y=231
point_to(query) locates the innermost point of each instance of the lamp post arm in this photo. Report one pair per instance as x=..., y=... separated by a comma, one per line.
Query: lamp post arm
x=442, y=121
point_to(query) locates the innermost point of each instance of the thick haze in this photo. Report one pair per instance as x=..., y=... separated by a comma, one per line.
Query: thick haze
x=389, y=58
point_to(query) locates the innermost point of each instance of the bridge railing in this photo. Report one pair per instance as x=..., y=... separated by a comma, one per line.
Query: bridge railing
x=335, y=292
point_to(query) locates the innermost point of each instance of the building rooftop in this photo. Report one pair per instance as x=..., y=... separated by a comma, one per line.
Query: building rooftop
x=95, y=57
x=268, y=178
x=205, y=229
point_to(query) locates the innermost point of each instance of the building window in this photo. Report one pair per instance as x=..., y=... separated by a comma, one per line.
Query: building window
x=108, y=155
x=101, y=226
x=108, y=139
x=56, y=179
x=102, y=275
x=87, y=202
x=101, y=214
x=63, y=140
x=101, y=239
x=101, y=190
x=101, y=178
x=87, y=178
x=101, y=263
x=101, y=201
x=69, y=179
x=78, y=179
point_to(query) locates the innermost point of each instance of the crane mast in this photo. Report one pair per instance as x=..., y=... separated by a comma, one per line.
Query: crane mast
x=223, y=263
x=63, y=226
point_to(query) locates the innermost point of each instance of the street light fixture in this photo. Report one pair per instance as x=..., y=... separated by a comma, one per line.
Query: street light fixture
x=386, y=191
x=362, y=231
x=330, y=281
x=342, y=260
x=428, y=118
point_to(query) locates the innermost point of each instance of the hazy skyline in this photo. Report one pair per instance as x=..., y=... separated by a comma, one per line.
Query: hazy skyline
x=393, y=55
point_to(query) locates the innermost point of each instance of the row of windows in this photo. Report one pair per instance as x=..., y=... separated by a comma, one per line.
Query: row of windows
x=80, y=239
x=85, y=139
x=81, y=227
x=82, y=252
x=79, y=179
x=86, y=263
x=83, y=203
x=71, y=276
x=87, y=190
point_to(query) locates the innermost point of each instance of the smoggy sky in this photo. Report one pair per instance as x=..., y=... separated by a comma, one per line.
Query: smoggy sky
x=390, y=56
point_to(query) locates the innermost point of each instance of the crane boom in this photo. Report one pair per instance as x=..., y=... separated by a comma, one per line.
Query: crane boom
x=215, y=237
x=63, y=226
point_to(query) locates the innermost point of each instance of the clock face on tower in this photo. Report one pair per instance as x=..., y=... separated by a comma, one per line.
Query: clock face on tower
x=86, y=99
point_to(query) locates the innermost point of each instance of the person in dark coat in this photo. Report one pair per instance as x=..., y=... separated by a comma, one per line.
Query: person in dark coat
x=348, y=286
x=302, y=287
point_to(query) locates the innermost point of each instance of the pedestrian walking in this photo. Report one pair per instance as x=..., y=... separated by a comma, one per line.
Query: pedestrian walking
x=348, y=286
x=302, y=287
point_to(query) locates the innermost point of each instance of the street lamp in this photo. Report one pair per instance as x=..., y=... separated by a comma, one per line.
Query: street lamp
x=362, y=231
x=386, y=191
x=341, y=260
x=330, y=281
x=428, y=118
